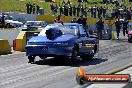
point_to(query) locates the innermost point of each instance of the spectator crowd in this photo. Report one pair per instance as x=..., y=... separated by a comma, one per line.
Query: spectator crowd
x=67, y=9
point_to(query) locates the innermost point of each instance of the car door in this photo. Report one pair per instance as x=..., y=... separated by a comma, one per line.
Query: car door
x=87, y=44
x=83, y=40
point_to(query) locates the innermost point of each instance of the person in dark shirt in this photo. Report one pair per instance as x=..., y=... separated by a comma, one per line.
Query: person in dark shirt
x=33, y=8
x=74, y=10
x=78, y=10
x=30, y=8
x=3, y=20
x=125, y=26
x=104, y=12
x=61, y=10
x=94, y=11
x=117, y=13
x=37, y=10
x=82, y=10
x=85, y=12
x=70, y=10
x=27, y=7
x=82, y=21
x=100, y=27
x=128, y=15
x=65, y=10
x=118, y=25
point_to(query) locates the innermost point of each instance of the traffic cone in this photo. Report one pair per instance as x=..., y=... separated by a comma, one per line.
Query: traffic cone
x=113, y=35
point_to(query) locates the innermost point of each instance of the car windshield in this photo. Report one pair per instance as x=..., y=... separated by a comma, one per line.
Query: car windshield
x=64, y=30
x=70, y=30
x=42, y=24
x=77, y=29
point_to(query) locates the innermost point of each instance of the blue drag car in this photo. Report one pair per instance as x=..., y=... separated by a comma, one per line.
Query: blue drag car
x=68, y=40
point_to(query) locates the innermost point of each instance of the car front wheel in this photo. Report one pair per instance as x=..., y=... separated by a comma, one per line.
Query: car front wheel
x=31, y=59
x=87, y=57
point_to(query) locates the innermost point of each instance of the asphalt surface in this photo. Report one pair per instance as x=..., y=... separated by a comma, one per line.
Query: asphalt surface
x=16, y=72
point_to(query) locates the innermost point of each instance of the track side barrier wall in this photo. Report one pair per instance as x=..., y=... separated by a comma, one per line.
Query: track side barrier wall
x=50, y=18
x=4, y=47
x=9, y=34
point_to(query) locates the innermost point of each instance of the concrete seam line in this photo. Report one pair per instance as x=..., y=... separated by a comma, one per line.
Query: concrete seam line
x=119, y=69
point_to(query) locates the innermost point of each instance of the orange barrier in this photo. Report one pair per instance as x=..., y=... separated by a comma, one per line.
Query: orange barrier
x=20, y=41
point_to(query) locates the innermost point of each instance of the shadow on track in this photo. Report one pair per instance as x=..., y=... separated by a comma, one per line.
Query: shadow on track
x=68, y=62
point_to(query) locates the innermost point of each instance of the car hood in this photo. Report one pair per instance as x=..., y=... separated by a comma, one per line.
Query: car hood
x=61, y=38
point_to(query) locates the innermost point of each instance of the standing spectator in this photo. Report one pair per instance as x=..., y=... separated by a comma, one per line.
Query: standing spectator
x=107, y=13
x=82, y=10
x=94, y=11
x=61, y=10
x=113, y=12
x=82, y=21
x=99, y=10
x=74, y=10
x=121, y=13
x=37, y=9
x=78, y=11
x=70, y=10
x=3, y=20
x=118, y=27
x=128, y=14
x=125, y=11
x=56, y=9
x=100, y=27
x=30, y=8
x=122, y=3
x=104, y=12
x=125, y=26
x=85, y=11
x=91, y=10
x=33, y=8
x=27, y=7
x=117, y=13
x=65, y=10
x=52, y=9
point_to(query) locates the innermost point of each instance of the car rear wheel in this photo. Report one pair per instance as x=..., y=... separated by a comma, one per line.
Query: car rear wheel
x=31, y=59
x=87, y=57
x=74, y=54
